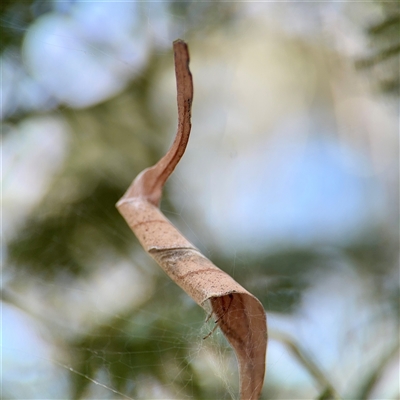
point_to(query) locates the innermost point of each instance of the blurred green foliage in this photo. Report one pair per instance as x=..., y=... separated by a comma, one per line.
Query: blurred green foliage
x=132, y=347
x=385, y=49
x=16, y=16
x=110, y=143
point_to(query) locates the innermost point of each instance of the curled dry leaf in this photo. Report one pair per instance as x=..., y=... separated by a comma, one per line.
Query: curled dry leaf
x=238, y=313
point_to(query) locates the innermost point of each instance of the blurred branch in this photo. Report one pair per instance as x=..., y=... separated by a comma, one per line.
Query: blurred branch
x=371, y=381
x=328, y=392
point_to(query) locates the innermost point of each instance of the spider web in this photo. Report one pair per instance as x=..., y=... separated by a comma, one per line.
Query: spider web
x=84, y=330
x=92, y=316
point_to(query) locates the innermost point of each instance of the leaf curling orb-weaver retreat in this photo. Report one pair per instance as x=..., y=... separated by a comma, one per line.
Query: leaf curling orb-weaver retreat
x=239, y=314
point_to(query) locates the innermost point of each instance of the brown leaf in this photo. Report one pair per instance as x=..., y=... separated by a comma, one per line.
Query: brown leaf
x=238, y=313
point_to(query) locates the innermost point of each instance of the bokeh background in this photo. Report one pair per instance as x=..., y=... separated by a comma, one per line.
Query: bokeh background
x=289, y=183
